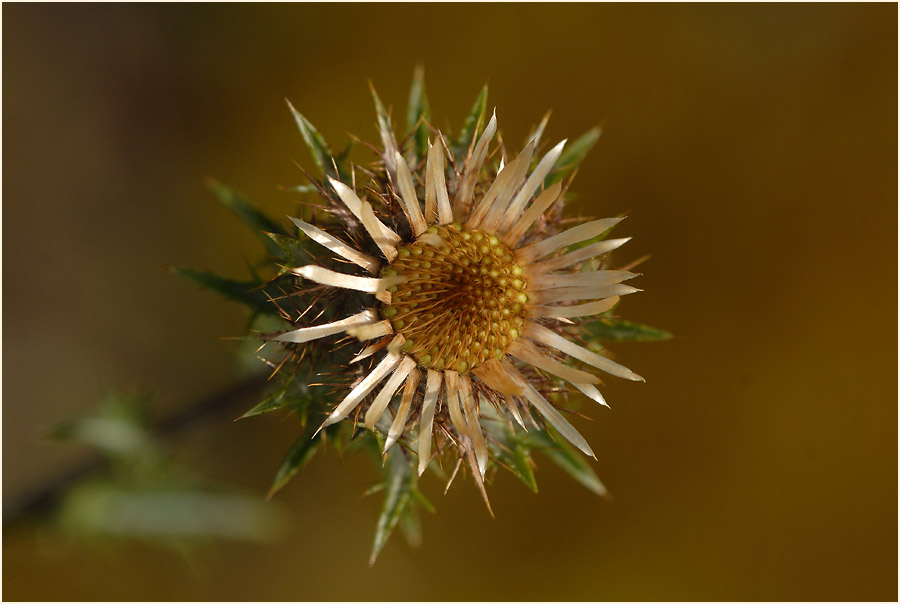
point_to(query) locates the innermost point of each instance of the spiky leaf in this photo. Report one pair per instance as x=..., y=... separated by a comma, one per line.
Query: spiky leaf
x=302, y=450
x=275, y=401
x=514, y=455
x=401, y=482
x=411, y=527
x=294, y=251
x=318, y=148
x=620, y=330
x=467, y=132
x=385, y=128
x=248, y=213
x=342, y=157
x=250, y=293
x=421, y=500
x=417, y=110
x=294, y=394
x=521, y=464
x=573, y=155
x=569, y=459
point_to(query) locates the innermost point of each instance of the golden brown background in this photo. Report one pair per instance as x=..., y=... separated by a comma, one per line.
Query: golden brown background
x=754, y=148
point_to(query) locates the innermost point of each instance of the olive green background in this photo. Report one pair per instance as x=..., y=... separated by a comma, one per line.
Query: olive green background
x=754, y=149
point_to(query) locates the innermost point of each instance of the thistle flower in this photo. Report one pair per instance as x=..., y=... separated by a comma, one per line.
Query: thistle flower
x=466, y=286
x=444, y=296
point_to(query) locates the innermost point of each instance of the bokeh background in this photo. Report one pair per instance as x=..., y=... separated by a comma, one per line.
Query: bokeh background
x=754, y=148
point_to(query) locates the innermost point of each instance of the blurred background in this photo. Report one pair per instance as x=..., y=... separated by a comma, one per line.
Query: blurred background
x=754, y=148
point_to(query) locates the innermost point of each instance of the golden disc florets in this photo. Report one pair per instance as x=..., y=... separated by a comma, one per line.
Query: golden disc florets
x=462, y=301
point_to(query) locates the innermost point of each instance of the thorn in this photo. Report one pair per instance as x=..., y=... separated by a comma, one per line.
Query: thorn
x=470, y=456
x=635, y=263
x=319, y=429
x=452, y=476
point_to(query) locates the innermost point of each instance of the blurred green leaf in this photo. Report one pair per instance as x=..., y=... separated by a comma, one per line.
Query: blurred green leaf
x=418, y=108
x=103, y=509
x=110, y=435
x=249, y=214
x=573, y=155
x=144, y=494
x=572, y=461
x=401, y=482
x=113, y=429
x=620, y=330
x=420, y=498
x=304, y=448
x=411, y=526
x=467, y=132
x=250, y=293
x=375, y=488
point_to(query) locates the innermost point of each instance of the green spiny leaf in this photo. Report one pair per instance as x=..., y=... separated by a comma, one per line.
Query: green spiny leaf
x=294, y=394
x=569, y=459
x=249, y=293
x=380, y=440
x=573, y=155
x=515, y=456
x=467, y=132
x=375, y=488
x=304, y=448
x=418, y=109
x=509, y=448
x=317, y=146
x=293, y=250
x=420, y=498
x=341, y=159
x=275, y=401
x=401, y=482
x=619, y=330
x=249, y=214
x=411, y=527
x=521, y=463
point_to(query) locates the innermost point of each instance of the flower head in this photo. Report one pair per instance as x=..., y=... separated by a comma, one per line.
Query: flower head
x=462, y=283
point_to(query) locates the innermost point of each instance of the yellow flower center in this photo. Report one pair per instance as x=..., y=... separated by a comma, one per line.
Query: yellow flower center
x=462, y=303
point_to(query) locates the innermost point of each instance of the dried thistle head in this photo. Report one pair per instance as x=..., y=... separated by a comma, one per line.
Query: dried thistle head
x=444, y=302
x=459, y=275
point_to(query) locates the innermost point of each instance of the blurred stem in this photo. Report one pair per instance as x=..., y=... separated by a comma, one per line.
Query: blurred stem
x=42, y=499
